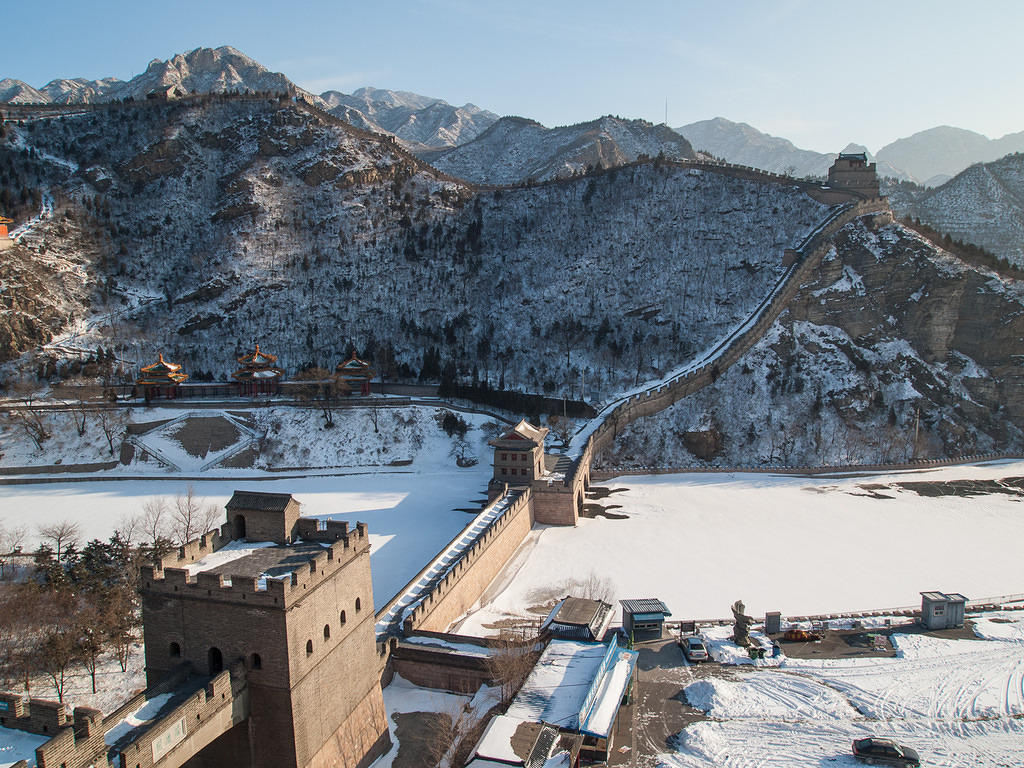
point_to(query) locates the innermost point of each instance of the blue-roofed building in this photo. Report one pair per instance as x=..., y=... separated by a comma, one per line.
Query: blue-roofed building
x=579, y=687
x=643, y=618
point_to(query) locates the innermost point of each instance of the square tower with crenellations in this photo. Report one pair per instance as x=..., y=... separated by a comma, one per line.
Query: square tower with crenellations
x=852, y=171
x=291, y=599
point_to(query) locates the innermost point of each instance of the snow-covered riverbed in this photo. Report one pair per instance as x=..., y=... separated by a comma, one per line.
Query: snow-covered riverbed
x=797, y=545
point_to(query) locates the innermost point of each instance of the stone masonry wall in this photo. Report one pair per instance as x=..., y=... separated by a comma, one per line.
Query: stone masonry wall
x=464, y=584
x=660, y=397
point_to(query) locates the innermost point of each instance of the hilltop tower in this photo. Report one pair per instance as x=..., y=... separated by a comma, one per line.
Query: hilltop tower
x=291, y=599
x=852, y=171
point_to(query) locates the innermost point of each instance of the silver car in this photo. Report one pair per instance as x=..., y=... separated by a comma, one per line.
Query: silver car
x=694, y=649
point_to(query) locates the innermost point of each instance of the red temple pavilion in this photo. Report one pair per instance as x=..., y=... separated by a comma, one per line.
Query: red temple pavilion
x=258, y=374
x=356, y=373
x=161, y=379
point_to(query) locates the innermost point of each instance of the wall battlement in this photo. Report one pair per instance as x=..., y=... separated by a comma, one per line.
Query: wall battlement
x=74, y=743
x=466, y=577
x=345, y=545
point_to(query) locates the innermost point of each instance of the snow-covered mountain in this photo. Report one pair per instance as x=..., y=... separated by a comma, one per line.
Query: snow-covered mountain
x=515, y=149
x=203, y=70
x=983, y=205
x=745, y=145
x=238, y=212
x=419, y=121
x=17, y=92
x=894, y=351
x=934, y=155
x=197, y=227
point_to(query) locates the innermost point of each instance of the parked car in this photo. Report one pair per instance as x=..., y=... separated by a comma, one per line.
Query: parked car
x=694, y=649
x=878, y=751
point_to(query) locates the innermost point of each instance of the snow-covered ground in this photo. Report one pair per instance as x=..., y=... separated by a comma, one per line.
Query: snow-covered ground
x=410, y=516
x=957, y=702
x=18, y=745
x=411, y=510
x=798, y=545
x=401, y=696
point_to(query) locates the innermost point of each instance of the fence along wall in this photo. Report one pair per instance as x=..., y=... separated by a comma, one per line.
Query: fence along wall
x=806, y=259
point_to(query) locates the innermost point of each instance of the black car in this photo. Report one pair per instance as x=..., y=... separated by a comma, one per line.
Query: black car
x=877, y=751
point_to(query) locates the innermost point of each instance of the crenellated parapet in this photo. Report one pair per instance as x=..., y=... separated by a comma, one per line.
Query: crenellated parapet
x=341, y=545
x=196, y=549
x=75, y=743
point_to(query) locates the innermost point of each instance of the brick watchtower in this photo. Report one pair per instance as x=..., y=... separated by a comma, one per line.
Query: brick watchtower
x=290, y=598
x=852, y=171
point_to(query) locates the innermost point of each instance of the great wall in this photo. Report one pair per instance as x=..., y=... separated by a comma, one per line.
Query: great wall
x=220, y=701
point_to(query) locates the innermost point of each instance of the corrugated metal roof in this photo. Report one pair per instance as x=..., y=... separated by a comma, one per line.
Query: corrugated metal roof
x=645, y=605
x=952, y=597
x=259, y=501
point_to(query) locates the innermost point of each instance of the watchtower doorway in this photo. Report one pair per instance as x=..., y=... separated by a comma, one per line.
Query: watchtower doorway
x=238, y=527
x=215, y=661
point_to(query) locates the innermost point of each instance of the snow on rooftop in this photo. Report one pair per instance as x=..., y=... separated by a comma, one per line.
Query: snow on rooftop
x=464, y=649
x=233, y=550
x=496, y=743
x=609, y=695
x=559, y=684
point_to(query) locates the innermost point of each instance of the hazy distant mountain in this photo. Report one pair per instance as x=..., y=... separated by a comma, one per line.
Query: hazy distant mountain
x=947, y=150
x=420, y=121
x=515, y=149
x=204, y=70
x=745, y=145
x=983, y=205
x=17, y=92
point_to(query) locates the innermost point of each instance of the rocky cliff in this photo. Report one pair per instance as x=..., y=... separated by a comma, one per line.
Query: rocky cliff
x=896, y=350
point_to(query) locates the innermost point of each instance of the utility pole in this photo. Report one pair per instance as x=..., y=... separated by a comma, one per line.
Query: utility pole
x=917, y=423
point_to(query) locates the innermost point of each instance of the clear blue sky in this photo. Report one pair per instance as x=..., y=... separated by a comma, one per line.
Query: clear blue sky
x=817, y=72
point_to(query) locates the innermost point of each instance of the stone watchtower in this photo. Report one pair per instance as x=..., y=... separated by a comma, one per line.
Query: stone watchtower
x=852, y=171
x=290, y=600
x=556, y=485
x=519, y=455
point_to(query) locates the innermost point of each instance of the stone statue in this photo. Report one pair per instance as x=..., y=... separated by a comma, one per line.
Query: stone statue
x=741, y=630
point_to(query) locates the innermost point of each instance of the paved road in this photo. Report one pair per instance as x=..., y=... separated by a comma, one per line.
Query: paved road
x=659, y=709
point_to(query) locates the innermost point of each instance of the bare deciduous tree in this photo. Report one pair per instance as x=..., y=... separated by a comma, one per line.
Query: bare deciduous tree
x=11, y=542
x=593, y=587
x=511, y=659
x=155, y=520
x=79, y=415
x=58, y=650
x=324, y=388
x=62, y=534
x=191, y=516
x=112, y=422
x=442, y=734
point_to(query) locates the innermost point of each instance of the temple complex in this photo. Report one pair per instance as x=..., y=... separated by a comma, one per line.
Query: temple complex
x=5, y=239
x=258, y=374
x=356, y=374
x=161, y=379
